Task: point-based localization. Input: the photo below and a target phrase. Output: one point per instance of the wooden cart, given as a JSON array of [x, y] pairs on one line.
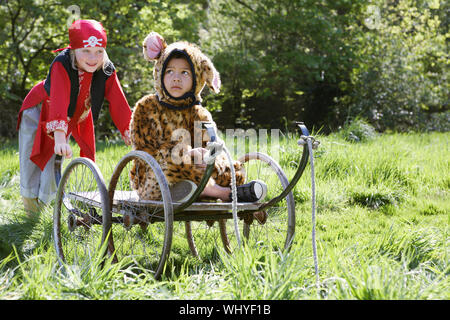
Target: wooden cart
[[92, 220]]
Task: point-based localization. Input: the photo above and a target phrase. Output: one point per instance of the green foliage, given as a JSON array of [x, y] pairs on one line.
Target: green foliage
[[322, 62], [358, 130], [414, 248], [382, 230], [400, 80], [279, 59], [431, 210], [374, 198], [32, 29]]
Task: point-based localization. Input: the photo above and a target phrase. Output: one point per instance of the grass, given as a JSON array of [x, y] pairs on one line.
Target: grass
[[382, 233]]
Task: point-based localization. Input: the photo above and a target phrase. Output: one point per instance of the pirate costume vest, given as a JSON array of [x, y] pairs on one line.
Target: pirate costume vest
[[97, 85]]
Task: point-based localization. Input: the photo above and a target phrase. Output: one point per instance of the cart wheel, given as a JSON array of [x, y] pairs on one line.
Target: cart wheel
[[273, 227], [203, 238], [81, 214], [141, 229]]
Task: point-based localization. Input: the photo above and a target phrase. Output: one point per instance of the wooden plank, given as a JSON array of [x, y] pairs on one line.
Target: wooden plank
[[130, 198], [88, 197], [206, 215]]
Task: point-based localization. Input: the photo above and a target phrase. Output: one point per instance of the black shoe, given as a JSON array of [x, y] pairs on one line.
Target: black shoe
[[182, 191], [253, 191]]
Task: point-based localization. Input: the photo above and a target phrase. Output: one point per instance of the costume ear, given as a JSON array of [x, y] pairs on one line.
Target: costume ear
[[211, 75], [153, 45]]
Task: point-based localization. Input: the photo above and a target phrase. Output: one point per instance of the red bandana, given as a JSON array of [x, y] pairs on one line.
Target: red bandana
[[86, 33]]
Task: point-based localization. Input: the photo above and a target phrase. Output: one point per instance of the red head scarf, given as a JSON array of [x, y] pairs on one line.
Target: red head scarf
[[86, 33]]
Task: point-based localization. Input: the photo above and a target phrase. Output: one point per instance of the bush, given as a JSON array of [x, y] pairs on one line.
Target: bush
[[359, 130], [375, 198]]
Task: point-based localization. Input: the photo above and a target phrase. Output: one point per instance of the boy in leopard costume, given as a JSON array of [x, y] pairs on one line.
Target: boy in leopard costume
[[158, 119]]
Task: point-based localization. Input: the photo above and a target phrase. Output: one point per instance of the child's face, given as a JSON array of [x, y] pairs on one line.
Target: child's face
[[89, 59], [178, 77]]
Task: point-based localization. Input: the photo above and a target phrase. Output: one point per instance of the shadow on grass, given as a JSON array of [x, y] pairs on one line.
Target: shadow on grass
[[15, 233], [21, 234]]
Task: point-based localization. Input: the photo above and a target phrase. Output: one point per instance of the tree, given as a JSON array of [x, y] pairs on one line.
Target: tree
[[318, 61], [279, 59], [31, 29], [401, 80]]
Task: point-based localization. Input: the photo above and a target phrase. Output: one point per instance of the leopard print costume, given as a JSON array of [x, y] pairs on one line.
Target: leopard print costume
[[165, 127]]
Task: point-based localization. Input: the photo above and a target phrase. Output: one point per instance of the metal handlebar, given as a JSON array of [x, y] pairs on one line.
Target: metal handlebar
[[298, 173], [211, 130]]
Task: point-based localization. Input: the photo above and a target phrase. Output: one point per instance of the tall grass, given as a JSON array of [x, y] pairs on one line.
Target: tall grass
[[382, 229]]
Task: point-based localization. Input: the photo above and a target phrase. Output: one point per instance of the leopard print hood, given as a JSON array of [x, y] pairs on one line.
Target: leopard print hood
[[156, 49]]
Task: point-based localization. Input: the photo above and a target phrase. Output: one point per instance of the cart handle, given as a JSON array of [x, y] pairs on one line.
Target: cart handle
[[58, 169], [298, 173], [211, 129]]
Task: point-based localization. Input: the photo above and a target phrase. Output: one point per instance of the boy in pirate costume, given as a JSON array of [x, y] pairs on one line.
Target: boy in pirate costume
[[67, 103], [180, 73]]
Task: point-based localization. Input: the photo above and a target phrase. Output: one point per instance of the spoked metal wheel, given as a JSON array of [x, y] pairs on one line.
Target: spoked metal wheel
[[141, 229], [203, 238], [81, 214], [274, 225]]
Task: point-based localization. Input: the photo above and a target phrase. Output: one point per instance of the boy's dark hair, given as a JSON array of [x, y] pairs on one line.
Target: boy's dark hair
[[178, 55]]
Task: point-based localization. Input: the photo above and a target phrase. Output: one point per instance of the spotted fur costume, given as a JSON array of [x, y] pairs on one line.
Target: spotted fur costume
[[158, 118]]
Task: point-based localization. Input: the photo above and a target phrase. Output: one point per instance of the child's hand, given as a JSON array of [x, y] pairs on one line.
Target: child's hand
[[198, 154], [62, 148], [126, 138]]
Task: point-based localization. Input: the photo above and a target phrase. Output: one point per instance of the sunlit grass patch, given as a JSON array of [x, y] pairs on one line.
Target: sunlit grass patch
[[381, 226]]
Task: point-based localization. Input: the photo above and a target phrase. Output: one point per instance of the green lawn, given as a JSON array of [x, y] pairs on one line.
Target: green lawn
[[382, 229]]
